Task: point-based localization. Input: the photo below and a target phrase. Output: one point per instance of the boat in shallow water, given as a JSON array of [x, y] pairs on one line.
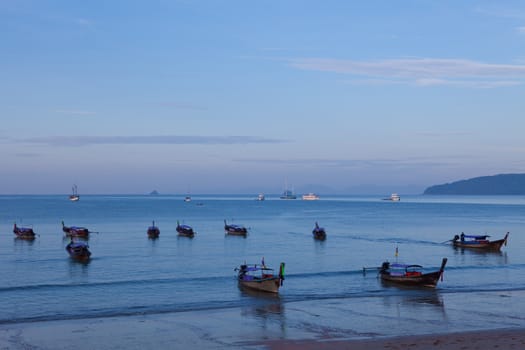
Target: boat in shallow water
[[185, 230], [153, 231], [78, 250], [479, 242], [75, 231], [260, 277], [319, 232], [24, 232], [410, 275], [235, 230]]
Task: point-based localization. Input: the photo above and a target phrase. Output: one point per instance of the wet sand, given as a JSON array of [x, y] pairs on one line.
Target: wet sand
[[168, 332], [478, 340]]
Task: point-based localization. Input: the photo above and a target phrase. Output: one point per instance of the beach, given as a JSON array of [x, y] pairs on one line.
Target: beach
[[272, 325]]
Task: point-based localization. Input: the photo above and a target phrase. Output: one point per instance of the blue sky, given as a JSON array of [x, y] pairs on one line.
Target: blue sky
[[244, 96]]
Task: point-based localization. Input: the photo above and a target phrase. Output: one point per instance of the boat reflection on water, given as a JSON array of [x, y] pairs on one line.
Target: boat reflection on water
[[423, 304], [265, 308]]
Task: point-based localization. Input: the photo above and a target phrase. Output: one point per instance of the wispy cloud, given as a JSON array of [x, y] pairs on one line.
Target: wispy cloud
[[349, 163], [148, 140], [421, 71]]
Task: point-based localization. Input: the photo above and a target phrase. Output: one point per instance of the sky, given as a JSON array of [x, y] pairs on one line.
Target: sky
[[213, 97]]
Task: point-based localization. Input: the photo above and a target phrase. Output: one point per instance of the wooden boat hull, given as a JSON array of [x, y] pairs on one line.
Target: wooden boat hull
[[319, 235], [270, 285], [236, 233], [26, 236], [481, 245], [76, 233], [429, 280], [153, 233], [184, 234]]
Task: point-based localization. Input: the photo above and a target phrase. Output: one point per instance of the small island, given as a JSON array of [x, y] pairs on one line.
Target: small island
[[502, 184]]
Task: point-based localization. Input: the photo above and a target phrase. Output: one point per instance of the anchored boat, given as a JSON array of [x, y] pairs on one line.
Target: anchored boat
[[78, 250], [410, 275], [153, 231], [260, 277], [75, 231], [319, 232], [185, 230], [235, 230], [23, 232], [480, 242]]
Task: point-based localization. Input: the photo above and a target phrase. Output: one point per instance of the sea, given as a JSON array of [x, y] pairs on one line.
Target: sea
[[326, 288]]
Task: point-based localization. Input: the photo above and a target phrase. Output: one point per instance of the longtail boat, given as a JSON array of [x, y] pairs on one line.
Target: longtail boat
[[185, 230], [480, 242], [23, 232], [410, 275], [75, 231], [153, 231], [78, 250], [236, 230], [319, 232], [260, 277]]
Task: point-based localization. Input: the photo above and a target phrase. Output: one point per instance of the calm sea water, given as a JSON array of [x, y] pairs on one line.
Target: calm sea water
[[130, 274]]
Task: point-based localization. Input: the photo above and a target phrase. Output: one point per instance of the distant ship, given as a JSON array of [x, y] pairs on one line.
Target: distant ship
[[187, 199], [287, 194], [310, 197], [74, 197], [394, 197], [260, 197]]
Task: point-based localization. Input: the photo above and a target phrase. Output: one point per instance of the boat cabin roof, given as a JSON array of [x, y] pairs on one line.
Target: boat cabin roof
[[78, 244], [477, 237], [405, 266], [255, 267]]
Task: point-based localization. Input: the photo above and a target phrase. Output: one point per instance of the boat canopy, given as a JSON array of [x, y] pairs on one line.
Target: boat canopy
[[404, 266], [255, 268], [477, 237]]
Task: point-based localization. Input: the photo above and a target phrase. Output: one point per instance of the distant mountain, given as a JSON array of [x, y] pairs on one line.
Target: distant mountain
[[502, 184]]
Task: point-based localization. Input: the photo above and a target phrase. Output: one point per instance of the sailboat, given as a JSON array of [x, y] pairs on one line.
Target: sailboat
[[74, 197], [288, 194]]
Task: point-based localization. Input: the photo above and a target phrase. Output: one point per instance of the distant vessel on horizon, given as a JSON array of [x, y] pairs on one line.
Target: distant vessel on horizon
[[74, 197], [394, 197], [260, 197], [310, 197], [287, 194]]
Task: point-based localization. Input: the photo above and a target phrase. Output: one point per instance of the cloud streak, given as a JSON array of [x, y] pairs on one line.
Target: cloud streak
[[352, 163], [149, 140], [421, 71]]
